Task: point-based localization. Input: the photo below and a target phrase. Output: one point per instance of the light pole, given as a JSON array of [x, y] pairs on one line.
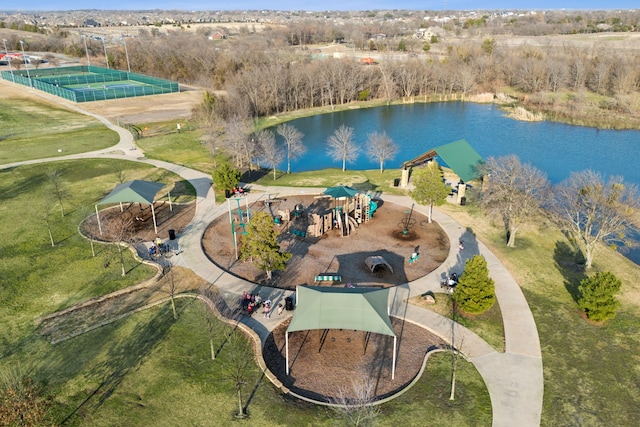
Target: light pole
[[126, 53], [106, 57], [86, 50], [24, 58], [4, 42]]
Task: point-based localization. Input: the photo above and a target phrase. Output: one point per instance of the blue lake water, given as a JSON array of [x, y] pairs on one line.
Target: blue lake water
[[557, 149]]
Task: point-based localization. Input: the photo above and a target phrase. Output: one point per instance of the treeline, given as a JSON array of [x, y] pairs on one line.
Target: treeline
[[262, 75], [276, 70]]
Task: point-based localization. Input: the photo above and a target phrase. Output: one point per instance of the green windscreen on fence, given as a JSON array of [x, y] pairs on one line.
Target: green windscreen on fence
[[83, 83]]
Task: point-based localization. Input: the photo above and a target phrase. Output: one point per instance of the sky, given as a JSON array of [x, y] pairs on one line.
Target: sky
[[49, 5]]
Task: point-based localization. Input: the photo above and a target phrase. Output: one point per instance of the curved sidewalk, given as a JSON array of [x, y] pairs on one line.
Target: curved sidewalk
[[514, 378]]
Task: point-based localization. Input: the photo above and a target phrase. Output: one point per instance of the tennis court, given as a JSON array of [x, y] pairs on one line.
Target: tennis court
[[84, 84]]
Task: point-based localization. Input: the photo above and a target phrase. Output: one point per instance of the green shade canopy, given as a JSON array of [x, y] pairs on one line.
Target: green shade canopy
[[360, 309], [136, 191], [461, 158], [340, 191]]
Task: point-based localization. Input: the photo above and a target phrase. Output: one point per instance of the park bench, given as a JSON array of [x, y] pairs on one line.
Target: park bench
[[328, 278]]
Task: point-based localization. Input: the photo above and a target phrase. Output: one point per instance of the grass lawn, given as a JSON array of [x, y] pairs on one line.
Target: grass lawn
[[30, 130], [591, 372], [38, 278], [367, 180], [487, 325], [161, 141], [149, 369]]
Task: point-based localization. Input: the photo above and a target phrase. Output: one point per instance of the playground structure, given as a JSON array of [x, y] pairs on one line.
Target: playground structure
[[346, 217], [241, 220]]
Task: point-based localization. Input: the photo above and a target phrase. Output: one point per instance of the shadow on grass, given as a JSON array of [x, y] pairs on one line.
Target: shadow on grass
[[253, 176], [572, 272], [365, 186], [126, 356]]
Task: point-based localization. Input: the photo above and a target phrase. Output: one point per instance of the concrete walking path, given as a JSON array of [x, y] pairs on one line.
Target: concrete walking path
[[514, 378]]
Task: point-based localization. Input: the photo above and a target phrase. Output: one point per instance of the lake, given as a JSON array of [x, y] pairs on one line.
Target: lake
[[555, 148]]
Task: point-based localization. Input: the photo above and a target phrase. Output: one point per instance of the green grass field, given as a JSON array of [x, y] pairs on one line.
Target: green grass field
[[30, 130], [591, 372]]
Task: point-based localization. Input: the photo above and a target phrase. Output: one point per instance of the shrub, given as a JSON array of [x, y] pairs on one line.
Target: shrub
[[598, 296], [475, 292]]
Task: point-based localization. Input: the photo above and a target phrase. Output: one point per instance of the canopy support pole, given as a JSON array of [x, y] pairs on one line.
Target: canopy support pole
[[170, 205], [286, 343], [98, 216], [153, 213], [393, 367]]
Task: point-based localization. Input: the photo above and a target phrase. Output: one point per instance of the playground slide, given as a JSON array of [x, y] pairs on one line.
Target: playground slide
[[372, 207], [353, 223]]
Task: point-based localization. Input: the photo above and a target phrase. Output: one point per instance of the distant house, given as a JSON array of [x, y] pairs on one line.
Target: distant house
[[90, 23], [218, 35], [427, 33]]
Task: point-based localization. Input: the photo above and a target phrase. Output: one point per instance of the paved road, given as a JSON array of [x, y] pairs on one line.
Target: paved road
[[514, 378]]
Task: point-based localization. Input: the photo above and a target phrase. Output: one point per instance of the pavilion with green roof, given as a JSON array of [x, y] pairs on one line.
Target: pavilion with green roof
[[136, 191], [459, 156]]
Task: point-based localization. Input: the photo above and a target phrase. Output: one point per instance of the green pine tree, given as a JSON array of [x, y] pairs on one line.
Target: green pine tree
[[598, 296], [226, 177], [475, 292], [260, 245]]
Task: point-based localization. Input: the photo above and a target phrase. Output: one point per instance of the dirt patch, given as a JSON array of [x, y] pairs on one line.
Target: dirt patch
[[148, 109], [111, 307], [324, 363], [333, 253]]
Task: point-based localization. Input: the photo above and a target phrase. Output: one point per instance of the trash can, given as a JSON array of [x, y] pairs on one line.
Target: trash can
[[172, 234], [288, 303], [227, 193], [396, 182], [463, 201]]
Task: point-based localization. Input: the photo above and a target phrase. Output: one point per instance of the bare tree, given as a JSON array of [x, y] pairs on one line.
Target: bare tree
[[293, 142], [121, 171], [381, 148], [513, 191], [341, 146], [168, 273], [58, 187], [238, 366], [122, 227], [388, 86], [270, 152], [356, 406], [596, 211], [209, 317], [237, 133], [46, 216]]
